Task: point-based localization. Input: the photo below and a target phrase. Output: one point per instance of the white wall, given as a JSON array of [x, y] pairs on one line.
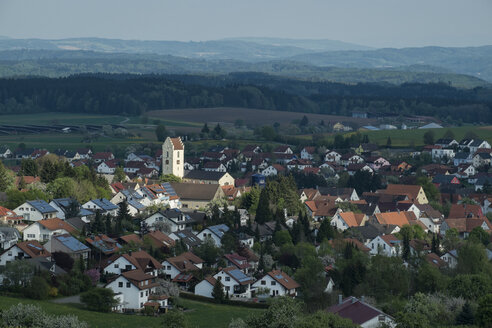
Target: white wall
[[204, 288]]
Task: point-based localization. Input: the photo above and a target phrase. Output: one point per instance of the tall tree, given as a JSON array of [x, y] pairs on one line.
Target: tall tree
[[6, 178], [218, 291], [263, 213], [161, 132], [429, 137]]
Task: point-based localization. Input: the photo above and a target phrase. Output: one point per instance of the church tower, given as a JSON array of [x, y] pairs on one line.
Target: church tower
[[173, 157]]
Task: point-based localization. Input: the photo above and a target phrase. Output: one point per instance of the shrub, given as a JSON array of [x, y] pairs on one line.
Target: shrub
[[99, 299]]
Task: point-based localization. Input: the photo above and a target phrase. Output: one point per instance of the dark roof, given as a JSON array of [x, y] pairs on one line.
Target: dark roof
[[204, 175], [196, 191], [355, 310]]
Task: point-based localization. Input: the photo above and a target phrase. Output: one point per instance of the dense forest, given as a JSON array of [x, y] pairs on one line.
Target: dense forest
[[134, 94]]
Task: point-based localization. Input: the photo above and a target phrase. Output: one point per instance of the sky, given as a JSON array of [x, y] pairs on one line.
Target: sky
[[375, 23]]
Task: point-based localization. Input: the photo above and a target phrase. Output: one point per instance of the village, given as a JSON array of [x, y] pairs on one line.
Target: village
[[249, 225]]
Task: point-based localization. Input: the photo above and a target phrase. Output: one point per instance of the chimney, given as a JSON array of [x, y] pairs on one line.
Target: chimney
[[340, 297]]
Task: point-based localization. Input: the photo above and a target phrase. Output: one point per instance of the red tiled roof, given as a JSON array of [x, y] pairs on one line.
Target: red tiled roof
[[177, 143], [283, 279], [55, 224]]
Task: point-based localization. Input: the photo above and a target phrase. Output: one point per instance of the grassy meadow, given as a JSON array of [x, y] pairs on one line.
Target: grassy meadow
[[199, 314]]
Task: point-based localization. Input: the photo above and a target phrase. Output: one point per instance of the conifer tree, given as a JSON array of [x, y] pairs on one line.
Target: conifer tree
[[263, 213], [218, 291]]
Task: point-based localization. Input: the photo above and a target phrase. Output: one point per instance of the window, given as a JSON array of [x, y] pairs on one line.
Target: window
[[30, 235], [227, 288], [263, 282], [167, 155], [120, 284], [169, 267], [141, 294], [128, 285], [167, 161], [227, 278], [273, 283], [177, 162], [116, 265], [10, 253], [384, 246], [146, 293]]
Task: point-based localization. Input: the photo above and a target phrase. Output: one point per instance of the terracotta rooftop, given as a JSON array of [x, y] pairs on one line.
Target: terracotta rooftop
[[55, 224], [283, 279], [177, 143]]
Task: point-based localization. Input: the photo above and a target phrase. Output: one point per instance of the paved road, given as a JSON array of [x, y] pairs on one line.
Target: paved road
[[71, 299]]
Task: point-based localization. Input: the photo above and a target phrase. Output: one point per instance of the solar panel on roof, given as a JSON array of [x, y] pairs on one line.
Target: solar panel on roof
[[239, 275], [34, 246], [278, 276], [72, 243]]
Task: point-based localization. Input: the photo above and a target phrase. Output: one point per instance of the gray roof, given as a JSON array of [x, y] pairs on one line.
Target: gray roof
[[47, 265], [71, 243], [204, 175], [10, 233], [476, 143], [195, 191]]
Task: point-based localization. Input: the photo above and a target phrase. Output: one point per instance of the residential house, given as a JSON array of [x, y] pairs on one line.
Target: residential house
[[395, 218], [283, 150], [446, 154], [161, 240], [186, 237], [107, 167], [481, 159], [102, 157], [462, 158], [8, 237], [206, 287], [103, 205], [214, 167], [215, 232], [387, 245], [135, 287], [68, 244], [173, 218], [235, 282], [278, 283], [35, 210], [344, 220], [239, 262], [464, 226], [24, 250], [308, 153], [446, 142], [273, 170], [186, 262], [415, 193], [333, 157], [139, 260], [451, 258], [477, 144], [8, 216], [465, 211], [44, 230], [361, 313]]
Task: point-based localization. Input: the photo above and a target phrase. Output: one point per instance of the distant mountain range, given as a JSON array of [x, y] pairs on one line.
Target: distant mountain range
[[305, 59]]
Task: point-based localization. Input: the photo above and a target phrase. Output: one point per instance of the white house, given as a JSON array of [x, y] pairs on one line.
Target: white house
[[103, 205], [333, 157], [273, 170], [24, 250], [43, 230], [35, 210], [139, 260], [174, 218], [308, 152], [442, 153], [235, 282], [215, 232], [278, 283], [451, 258], [107, 167], [387, 245], [205, 287], [344, 220], [136, 288], [8, 237], [186, 262], [214, 167], [478, 144], [481, 159]]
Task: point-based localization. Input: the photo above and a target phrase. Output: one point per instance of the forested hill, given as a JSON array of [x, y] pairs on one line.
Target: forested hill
[[133, 95]]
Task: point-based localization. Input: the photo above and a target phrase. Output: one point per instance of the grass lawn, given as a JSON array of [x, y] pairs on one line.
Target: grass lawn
[[202, 315], [60, 118]]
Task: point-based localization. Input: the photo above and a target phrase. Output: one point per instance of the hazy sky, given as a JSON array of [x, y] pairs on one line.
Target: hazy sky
[[378, 23]]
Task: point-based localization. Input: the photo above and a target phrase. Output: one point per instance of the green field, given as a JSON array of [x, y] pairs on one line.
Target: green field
[[202, 315], [60, 118]]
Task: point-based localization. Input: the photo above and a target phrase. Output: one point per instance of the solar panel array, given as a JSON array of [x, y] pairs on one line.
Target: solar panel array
[[72, 243], [170, 190], [35, 247], [219, 229], [239, 275], [41, 206]]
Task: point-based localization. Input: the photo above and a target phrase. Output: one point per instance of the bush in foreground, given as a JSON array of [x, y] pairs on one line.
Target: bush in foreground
[[31, 316]]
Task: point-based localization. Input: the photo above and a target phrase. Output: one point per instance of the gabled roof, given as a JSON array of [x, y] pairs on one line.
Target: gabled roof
[[283, 279], [204, 175], [137, 276], [357, 311], [185, 262], [177, 143], [391, 240], [196, 191], [32, 248], [396, 189], [396, 218], [42, 206], [464, 211], [237, 260], [466, 224], [159, 238], [6, 212], [435, 260], [132, 238], [352, 219], [55, 224]]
